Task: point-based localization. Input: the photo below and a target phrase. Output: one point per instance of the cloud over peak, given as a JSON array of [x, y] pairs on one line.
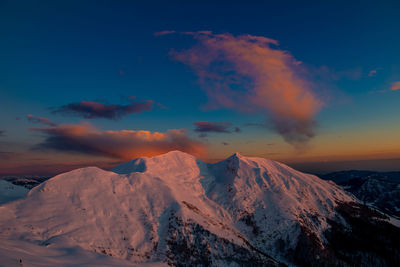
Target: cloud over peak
[[249, 73], [123, 144], [92, 109]]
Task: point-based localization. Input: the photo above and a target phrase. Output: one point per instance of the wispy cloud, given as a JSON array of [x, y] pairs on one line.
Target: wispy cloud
[[256, 124], [123, 144], [330, 74], [161, 33], [2, 132], [395, 86], [372, 73], [216, 127], [42, 120], [249, 73], [203, 135], [92, 109], [4, 155]]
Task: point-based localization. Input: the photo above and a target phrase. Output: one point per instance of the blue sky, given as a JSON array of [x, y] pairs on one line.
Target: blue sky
[[54, 53]]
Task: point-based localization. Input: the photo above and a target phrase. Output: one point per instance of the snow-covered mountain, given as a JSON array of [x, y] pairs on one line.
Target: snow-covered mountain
[[176, 209]]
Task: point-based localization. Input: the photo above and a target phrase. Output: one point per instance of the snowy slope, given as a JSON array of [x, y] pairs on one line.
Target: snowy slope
[[175, 208], [27, 254], [242, 190]]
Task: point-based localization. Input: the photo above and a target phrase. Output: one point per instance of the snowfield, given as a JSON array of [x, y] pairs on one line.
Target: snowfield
[[171, 208]]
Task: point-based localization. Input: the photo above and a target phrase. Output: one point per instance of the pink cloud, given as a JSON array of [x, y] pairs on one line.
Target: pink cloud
[[42, 120], [395, 86], [161, 33], [249, 73], [123, 144], [372, 73]]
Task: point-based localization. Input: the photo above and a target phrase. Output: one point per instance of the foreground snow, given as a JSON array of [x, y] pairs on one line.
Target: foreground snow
[[170, 208], [23, 253]]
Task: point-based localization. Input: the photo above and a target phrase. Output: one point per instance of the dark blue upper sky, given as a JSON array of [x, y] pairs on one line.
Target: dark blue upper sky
[[53, 53]]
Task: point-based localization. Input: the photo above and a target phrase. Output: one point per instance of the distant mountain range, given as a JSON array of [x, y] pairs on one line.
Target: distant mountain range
[[378, 189], [175, 209], [26, 181]]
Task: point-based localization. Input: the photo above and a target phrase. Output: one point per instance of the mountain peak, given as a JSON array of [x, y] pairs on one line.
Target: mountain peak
[[237, 155], [172, 161], [175, 152], [152, 207]]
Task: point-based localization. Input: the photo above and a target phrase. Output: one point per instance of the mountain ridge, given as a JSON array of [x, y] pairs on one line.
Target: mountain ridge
[[177, 209]]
